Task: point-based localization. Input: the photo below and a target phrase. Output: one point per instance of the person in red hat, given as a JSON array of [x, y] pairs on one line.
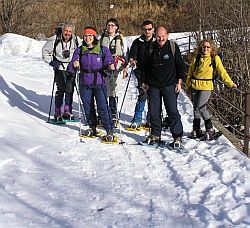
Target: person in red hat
[[92, 60]]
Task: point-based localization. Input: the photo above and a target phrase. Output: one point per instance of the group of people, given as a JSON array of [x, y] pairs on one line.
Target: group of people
[[99, 63], [157, 64]]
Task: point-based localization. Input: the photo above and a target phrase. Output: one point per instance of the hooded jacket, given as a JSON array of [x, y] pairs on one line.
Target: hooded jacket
[[92, 63], [202, 77]]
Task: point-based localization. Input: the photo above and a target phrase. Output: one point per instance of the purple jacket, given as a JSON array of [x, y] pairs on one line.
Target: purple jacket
[[92, 63]]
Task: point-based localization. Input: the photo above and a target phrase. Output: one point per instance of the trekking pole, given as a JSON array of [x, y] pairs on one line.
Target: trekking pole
[[80, 105], [119, 114], [125, 91], [78, 94], [52, 94]]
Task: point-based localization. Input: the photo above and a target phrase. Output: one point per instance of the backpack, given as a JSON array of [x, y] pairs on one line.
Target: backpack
[[172, 45], [213, 64], [119, 37], [215, 74]]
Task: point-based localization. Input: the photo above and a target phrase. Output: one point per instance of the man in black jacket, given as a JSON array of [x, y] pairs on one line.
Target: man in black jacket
[[164, 74], [138, 52]]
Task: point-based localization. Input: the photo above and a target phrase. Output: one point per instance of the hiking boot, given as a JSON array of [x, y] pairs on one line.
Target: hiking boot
[[135, 125], [109, 137], [90, 132], [58, 117], [196, 134], [209, 134], [147, 125], [152, 139], [68, 116], [177, 143]]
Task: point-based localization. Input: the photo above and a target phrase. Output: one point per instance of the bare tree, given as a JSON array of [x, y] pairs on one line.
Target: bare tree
[[10, 13]]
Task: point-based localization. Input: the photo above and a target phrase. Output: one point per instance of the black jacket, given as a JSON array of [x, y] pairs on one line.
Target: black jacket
[[162, 68], [139, 51]]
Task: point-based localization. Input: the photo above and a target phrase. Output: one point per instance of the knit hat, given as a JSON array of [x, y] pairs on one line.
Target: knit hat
[[89, 31]]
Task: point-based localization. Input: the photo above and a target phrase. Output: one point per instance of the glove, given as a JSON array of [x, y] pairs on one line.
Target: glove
[[55, 64], [132, 62], [112, 67], [76, 65], [143, 95]]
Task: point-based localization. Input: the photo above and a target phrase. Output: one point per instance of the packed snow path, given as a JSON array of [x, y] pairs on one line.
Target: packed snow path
[[50, 179]]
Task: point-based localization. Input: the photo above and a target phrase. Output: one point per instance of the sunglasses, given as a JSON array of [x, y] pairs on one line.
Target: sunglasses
[[148, 29], [111, 25], [208, 47]]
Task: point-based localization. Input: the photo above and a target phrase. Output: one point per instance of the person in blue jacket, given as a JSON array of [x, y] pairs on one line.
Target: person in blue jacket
[[92, 60]]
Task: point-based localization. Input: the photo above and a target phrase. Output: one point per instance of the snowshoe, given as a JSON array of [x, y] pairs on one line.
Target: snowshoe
[[58, 121], [110, 138], [89, 133], [146, 126], [134, 126], [196, 134], [211, 135], [152, 139], [176, 145], [67, 116], [152, 142]]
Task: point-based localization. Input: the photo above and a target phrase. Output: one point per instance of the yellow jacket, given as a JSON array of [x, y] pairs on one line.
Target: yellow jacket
[[205, 71]]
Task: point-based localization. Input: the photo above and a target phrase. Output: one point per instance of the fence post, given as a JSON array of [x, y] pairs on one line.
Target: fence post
[[189, 44], [247, 126]]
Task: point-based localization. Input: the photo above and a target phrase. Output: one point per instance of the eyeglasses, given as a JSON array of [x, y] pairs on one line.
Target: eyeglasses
[[111, 25], [147, 29], [208, 47]]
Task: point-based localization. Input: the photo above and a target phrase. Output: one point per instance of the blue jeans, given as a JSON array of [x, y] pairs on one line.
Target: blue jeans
[[139, 108], [90, 95]]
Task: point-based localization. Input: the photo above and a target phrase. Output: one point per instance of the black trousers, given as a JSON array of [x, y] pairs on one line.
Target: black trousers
[[65, 83], [169, 97]]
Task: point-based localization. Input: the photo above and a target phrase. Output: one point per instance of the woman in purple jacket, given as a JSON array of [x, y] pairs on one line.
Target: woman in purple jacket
[[92, 59]]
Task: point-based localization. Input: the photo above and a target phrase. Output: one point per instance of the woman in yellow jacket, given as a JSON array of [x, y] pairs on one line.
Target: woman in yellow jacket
[[200, 82]]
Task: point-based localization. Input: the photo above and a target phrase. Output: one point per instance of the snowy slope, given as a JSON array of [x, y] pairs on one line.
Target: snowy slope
[[49, 179]]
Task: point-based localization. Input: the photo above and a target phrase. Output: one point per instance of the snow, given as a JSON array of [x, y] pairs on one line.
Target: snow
[[48, 178]]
